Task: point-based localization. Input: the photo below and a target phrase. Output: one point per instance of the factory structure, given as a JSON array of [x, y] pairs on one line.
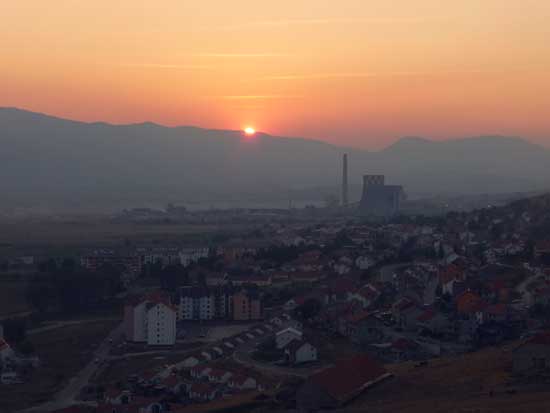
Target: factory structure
[[377, 199]]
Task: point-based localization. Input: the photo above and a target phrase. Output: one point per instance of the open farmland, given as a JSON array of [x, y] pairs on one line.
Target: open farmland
[[63, 352], [12, 296], [93, 232]]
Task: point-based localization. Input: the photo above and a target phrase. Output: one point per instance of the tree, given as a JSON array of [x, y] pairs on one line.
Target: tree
[[173, 276], [15, 330], [309, 309]]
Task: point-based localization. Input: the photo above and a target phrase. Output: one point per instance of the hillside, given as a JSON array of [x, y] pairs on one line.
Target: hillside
[[52, 161]]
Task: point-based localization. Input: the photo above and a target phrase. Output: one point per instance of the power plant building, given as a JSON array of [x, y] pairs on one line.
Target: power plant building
[[379, 199]]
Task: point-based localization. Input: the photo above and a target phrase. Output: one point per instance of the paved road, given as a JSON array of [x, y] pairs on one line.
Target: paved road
[[526, 296], [68, 395]]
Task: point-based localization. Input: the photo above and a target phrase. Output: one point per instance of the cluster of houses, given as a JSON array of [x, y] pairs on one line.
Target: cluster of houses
[[149, 392], [202, 376]]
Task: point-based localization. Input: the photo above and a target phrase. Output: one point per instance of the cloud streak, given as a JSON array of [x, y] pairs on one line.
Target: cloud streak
[[322, 76], [166, 66], [241, 55], [257, 97], [319, 22]]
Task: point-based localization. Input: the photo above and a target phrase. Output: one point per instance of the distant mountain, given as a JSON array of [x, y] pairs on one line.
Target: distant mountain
[[51, 161]]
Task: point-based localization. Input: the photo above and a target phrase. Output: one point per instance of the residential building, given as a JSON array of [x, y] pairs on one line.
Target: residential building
[[205, 303], [285, 336], [300, 351], [151, 320], [161, 324], [533, 356], [247, 305]]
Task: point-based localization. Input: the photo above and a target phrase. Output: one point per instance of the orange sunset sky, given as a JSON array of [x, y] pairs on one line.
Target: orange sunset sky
[[350, 72]]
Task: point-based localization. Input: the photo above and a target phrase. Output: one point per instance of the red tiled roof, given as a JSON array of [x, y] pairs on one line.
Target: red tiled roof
[[368, 292], [356, 317], [341, 285], [217, 373], [3, 344], [202, 388], [304, 275], [113, 393], [348, 377], [543, 245], [426, 315], [171, 381], [449, 273], [404, 344], [239, 379], [403, 303], [496, 309], [541, 338]]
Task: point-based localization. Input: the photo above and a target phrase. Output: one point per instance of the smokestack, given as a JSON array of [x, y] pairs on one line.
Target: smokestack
[[345, 181]]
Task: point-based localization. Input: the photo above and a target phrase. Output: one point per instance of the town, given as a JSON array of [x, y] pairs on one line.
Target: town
[[308, 314]]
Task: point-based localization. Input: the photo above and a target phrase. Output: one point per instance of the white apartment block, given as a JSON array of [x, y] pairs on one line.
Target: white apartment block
[[150, 320]]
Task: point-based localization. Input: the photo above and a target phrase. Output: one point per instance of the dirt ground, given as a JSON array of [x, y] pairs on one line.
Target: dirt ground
[[88, 232], [12, 297], [474, 383], [62, 352]]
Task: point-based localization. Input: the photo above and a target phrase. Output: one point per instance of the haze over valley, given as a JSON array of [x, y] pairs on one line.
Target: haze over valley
[[52, 163]]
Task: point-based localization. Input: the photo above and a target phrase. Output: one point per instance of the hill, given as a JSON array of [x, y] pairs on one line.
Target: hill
[[52, 161], [475, 382]]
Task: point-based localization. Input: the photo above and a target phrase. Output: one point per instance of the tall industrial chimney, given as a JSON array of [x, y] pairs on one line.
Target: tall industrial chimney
[[345, 181]]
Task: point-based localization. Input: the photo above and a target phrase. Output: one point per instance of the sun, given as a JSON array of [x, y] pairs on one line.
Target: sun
[[249, 131]]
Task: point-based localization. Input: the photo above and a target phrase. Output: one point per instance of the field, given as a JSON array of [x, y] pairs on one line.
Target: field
[[92, 233], [62, 352], [12, 296], [479, 382]]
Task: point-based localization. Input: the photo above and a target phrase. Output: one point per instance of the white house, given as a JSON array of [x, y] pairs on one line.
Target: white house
[[242, 382], [10, 377], [299, 351], [219, 376], [200, 371], [283, 337], [366, 295], [190, 361], [364, 262], [202, 391]]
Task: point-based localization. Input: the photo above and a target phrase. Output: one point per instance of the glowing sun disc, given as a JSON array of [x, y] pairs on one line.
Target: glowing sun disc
[[249, 131]]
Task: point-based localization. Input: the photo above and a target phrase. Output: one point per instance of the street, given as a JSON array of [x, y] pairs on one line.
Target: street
[[68, 395]]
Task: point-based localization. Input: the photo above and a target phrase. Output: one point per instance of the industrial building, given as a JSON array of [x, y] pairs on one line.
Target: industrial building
[[379, 199]]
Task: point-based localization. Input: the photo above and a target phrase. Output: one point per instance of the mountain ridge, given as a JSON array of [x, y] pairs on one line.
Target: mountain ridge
[[54, 160]]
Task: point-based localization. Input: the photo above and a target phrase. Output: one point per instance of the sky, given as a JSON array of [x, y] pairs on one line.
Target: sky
[[351, 72]]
